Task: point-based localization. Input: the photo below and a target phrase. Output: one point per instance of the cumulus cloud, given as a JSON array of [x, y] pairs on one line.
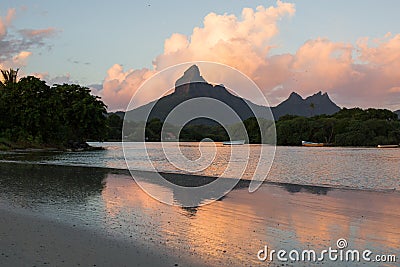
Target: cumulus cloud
[[241, 42], [119, 86], [362, 74], [365, 74], [15, 45]]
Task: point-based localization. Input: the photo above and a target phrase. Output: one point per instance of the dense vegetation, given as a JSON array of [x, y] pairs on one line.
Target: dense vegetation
[[33, 114], [114, 125], [190, 132], [348, 127], [196, 132]]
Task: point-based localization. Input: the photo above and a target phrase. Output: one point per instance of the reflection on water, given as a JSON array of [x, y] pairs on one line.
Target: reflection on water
[[29, 184], [226, 232], [201, 195], [363, 168], [294, 188]]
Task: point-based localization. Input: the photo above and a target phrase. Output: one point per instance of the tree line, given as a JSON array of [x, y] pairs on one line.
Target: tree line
[[33, 114], [348, 127], [156, 130]]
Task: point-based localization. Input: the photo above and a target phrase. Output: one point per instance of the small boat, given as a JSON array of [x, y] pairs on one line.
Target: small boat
[[311, 144], [388, 146], [232, 143]]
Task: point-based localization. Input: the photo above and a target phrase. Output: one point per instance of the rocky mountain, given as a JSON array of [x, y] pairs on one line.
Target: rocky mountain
[[192, 85], [316, 104]]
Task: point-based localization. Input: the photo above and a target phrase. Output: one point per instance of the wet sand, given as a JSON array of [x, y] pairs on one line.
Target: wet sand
[[65, 216], [28, 240]]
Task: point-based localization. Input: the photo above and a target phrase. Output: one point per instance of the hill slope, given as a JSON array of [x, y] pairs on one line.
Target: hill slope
[[313, 105], [192, 85]]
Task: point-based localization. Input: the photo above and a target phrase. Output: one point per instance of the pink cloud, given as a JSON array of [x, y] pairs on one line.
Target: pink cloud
[[6, 21], [241, 42], [15, 45], [21, 58], [363, 74], [119, 86], [395, 89], [40, 33]]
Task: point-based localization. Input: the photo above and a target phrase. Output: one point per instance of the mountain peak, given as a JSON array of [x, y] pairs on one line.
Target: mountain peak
[[295, 95], [319, 97], [191, 75], [316, 104]]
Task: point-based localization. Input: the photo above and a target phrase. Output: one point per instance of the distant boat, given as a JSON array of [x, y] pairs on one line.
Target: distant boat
[[232, 143], [388, 146], [311, 144]]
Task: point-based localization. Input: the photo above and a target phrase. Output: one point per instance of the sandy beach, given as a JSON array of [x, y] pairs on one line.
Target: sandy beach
[[80, 216], [28, 240]]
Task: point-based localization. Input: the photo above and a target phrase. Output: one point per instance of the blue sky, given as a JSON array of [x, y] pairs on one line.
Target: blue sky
[[91, 36]]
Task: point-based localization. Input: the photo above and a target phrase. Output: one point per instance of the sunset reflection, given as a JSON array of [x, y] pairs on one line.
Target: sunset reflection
[[235, 228]]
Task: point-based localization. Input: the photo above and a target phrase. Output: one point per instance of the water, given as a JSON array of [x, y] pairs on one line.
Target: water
[[359, 168], [229, 232]]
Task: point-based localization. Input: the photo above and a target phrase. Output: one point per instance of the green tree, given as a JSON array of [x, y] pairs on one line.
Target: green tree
[[32, 113], [348, 127], [114, 126], [253, 130], [83, 114], [153, 130]]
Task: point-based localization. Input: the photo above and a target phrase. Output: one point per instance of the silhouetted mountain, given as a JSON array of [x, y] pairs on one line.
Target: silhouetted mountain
[[316, 104], [192, 85], [120, 114]]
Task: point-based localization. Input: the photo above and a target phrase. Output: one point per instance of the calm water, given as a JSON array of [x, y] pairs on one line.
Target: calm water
[[361, 168], [228, 232]]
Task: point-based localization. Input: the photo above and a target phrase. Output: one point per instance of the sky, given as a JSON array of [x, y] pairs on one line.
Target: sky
[[350, 49]]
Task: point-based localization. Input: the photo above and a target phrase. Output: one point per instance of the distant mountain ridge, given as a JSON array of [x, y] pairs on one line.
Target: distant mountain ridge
[[317, 104], [192, 85]]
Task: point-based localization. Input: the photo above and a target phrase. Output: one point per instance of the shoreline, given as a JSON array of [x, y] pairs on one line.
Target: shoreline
[[29, 240], [8, 146], [64, 216], [51, 148], [197, 180]]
